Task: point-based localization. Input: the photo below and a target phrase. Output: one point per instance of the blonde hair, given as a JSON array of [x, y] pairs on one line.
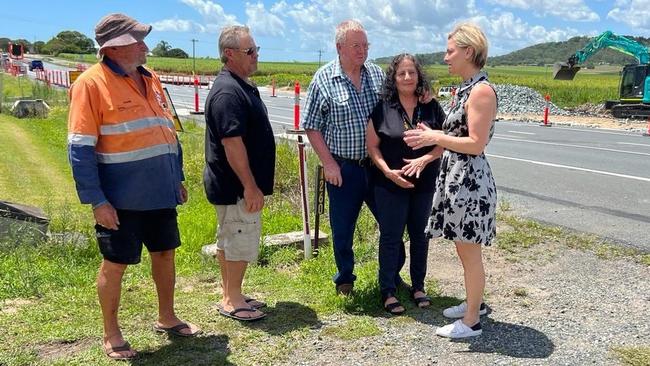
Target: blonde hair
[[346, 26], [470, 35]]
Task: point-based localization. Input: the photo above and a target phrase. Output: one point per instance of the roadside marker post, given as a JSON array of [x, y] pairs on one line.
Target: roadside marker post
[[196, 96], [546, 110], [319, 204], [302, 170], [273, 88], [647, 133]]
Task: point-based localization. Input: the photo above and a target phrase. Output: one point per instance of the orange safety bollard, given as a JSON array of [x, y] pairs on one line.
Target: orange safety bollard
[[196, 96], [546, 111]]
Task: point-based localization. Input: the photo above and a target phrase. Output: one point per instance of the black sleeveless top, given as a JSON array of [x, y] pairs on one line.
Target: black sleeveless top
[[390, 121]]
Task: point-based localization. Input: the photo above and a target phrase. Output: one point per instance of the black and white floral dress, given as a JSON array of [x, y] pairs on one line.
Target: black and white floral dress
[[464, 204]]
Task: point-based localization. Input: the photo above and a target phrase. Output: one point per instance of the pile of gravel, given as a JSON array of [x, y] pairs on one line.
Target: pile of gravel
[[516, 99]]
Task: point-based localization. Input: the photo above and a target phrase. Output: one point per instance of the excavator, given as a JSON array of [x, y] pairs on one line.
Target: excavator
[[634, 92]]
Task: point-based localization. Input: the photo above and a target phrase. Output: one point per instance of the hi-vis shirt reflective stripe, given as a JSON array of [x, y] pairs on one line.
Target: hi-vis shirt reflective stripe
[[136, 155], [122, 143]]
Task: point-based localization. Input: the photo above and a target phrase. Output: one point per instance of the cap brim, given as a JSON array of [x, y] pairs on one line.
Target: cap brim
[[135, 35]]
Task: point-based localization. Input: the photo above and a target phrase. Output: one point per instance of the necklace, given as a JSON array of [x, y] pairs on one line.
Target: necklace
[[408, 125]]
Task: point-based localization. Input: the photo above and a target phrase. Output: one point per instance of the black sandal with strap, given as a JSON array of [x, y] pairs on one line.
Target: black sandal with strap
[[420, 300], [392, 306]]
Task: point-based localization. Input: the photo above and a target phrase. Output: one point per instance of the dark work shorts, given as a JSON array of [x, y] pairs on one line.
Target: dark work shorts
[[156, 229]]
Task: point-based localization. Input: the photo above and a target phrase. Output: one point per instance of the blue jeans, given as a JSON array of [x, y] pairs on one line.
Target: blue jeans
[[397, 210], [344, 207]]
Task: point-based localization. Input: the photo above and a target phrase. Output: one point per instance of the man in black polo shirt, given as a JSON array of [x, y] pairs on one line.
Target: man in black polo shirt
[[240, 164]]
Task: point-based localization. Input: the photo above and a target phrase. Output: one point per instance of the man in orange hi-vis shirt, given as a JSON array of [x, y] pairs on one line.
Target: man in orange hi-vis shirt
[[127, 163]]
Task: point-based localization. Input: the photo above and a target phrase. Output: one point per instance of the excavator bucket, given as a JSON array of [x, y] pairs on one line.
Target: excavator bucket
[[564, 71]]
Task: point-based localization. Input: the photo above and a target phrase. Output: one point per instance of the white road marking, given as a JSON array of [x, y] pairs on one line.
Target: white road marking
[[571, 145], [632, 143], [503, 135], [523, 133], [643, 179]]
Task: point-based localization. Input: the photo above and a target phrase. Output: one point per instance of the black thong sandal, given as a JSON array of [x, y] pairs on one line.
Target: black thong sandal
[[233, 314], [420, 301], [392, 306], [176, 330], [125, 347]]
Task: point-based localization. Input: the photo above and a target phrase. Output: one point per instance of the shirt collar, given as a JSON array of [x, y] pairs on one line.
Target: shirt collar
[[118, 70], [237, 78], [467, 84], [338, 70]]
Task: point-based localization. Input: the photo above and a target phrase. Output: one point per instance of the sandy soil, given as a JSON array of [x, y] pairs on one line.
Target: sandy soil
[[587, 121]]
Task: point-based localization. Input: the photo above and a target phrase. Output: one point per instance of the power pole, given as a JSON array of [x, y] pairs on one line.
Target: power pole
[[320, 52], [194, 56]]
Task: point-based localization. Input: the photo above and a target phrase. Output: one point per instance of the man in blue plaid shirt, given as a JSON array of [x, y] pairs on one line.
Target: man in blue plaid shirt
[[340, 98]]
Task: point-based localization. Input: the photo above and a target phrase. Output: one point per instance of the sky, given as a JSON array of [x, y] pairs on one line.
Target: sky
[[303, 30]]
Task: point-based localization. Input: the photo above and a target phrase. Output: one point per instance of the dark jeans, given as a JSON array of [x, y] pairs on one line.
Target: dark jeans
[[344, 206], [397, 210]]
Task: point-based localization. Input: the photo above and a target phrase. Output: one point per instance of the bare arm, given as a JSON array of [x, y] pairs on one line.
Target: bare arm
[[331, 168], [372, 144], [481, 111], [238, 160]]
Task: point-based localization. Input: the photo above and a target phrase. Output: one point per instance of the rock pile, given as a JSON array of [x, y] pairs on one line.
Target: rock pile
[[516, 99]]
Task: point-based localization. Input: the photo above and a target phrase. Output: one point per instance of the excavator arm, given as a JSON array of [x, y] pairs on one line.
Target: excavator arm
[[567, 70]]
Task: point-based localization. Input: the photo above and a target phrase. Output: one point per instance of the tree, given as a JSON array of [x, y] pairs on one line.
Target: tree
[[38, 46], [69, 42], [4, 44], [177, 53], [161, 49]]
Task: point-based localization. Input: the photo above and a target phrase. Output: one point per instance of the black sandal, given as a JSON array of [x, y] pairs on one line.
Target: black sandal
[[392, 306], [420, 300]]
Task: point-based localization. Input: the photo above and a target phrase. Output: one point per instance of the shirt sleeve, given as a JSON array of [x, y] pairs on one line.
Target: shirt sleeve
[[83, 131], [316, 109], [439, 115], [228, 115], [377, 115]]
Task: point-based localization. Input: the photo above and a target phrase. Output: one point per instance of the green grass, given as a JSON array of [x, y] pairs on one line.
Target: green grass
[[20, 87], [633, 356]]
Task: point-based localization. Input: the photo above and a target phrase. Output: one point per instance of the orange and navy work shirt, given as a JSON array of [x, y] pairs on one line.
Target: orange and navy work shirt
[[122, 145]]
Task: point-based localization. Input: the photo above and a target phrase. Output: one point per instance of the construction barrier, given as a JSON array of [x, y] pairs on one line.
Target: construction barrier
[[546, 111]]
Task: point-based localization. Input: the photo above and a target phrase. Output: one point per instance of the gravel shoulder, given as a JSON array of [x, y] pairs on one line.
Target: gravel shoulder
[[550, 305]]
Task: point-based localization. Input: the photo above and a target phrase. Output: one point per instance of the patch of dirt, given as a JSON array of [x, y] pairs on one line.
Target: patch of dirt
[[58, 349], [13, 305], [586, 121]]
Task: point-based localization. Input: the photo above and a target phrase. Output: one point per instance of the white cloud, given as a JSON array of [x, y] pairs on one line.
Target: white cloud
[[635, 13], [262, 22], [574, 10], [506, 32], [176, 25], [211, 11]]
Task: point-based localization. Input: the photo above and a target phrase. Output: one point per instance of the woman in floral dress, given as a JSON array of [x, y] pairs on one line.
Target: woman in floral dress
[[464, 204]]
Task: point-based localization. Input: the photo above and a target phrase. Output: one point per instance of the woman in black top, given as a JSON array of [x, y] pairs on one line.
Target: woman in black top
[[403, 179]]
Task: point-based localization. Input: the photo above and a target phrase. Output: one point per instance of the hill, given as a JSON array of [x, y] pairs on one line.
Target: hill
[[544, 54]]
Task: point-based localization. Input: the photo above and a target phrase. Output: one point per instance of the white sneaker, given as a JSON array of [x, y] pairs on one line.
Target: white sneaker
[[458, 329], [458, 311]]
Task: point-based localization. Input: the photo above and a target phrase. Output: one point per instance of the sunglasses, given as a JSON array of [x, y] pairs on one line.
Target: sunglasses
[[251, 50]]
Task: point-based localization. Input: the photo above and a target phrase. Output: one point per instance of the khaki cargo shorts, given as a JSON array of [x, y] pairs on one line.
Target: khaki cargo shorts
[[239, 231]]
